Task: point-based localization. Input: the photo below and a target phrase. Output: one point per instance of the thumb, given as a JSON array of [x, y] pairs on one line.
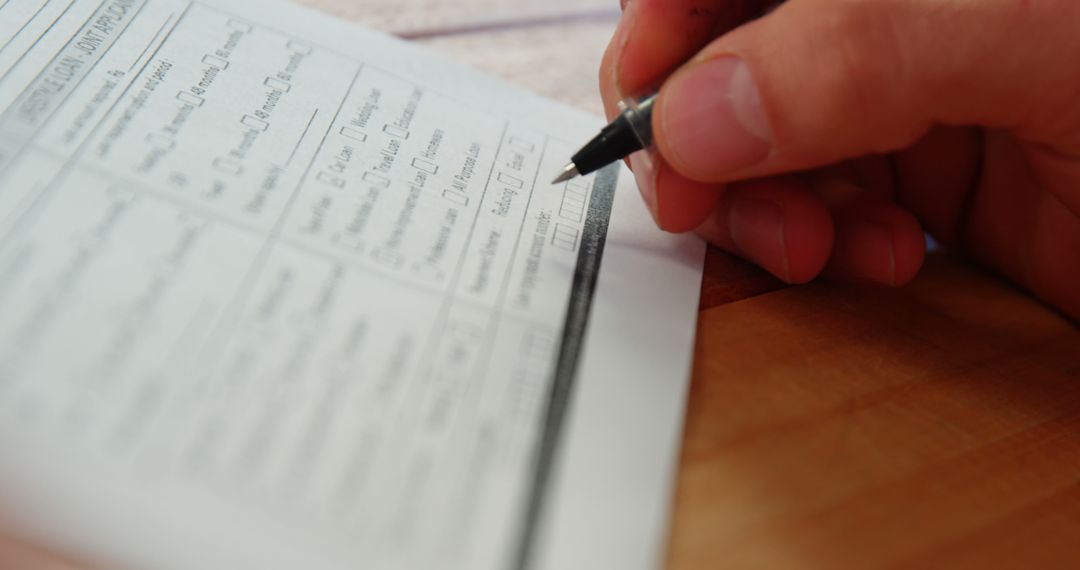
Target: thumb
[[819, 81]]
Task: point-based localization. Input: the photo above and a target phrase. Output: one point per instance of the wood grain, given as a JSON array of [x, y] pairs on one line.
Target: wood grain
[[836, 426]]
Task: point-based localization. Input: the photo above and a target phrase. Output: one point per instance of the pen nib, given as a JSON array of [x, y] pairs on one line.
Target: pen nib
[[570, 171]]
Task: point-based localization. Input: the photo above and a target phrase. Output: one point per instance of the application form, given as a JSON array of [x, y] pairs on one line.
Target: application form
[[279, 292]]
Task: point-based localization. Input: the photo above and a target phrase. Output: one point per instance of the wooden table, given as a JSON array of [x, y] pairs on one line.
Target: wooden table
[[833, 426]]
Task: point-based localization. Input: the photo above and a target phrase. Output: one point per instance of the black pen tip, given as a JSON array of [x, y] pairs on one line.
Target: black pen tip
[[568, 172]]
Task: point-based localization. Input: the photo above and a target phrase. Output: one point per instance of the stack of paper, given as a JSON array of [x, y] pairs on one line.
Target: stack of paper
[[279, 292]]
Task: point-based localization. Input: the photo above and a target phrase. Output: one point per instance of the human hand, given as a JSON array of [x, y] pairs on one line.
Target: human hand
[[825, 136]]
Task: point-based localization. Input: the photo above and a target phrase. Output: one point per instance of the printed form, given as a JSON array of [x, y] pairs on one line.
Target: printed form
[[278, 292]]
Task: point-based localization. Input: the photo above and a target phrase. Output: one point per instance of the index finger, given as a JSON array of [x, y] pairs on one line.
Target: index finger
[[655, 37]]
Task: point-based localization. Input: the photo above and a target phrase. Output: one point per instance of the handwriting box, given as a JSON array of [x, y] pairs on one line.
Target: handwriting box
[[579, 184], [511, 181], [351, 133], [275, 83], [424, 165], [573, 203], [376, 179], [190, 99], [227, 165], [254, 123], [331, 179], [572, 210], [456, 197], [215, 61], [565, 237], [396, 131]]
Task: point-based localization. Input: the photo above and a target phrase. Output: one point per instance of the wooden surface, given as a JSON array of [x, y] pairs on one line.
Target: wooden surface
[[834, 426]]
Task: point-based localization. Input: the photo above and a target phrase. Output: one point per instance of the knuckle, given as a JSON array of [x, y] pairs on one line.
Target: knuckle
[[866, 73]]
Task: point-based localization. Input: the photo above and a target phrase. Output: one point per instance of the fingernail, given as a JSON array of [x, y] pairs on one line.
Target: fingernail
[[757, 228], [712, 119], [867, 251]]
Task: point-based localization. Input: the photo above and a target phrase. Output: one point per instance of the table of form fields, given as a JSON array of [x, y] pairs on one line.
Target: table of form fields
[[275, 269]]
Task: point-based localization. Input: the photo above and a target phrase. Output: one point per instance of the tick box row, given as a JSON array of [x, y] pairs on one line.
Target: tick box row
[[511, 181], [294, 45], [189, 98], [370, 178], [565, 237], [360, 136]]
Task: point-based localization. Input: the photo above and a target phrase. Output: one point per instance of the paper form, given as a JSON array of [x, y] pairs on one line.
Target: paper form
[[279, 292]]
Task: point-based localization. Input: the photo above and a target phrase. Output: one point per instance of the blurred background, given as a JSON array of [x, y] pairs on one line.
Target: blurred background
[[523, 42]]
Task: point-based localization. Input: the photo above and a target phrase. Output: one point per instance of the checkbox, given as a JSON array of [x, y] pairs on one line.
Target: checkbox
[[190, 99], [239, 25], [396, 131], [387, 256], [215, 61], [579, 185], [510, 181], [255, 123], [228, 166], [424, 165], [573, 204], [522, 144], [351, 133], [161, 141], [571, 212], [456, 197], [376, 179], [275, 83], [299, 47], [331, 179], [565, 237]]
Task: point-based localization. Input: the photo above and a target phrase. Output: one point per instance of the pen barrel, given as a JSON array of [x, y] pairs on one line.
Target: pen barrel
[[638, 114], [630, 132]]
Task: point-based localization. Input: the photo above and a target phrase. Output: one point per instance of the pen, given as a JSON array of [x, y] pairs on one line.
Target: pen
[[630, 132]]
